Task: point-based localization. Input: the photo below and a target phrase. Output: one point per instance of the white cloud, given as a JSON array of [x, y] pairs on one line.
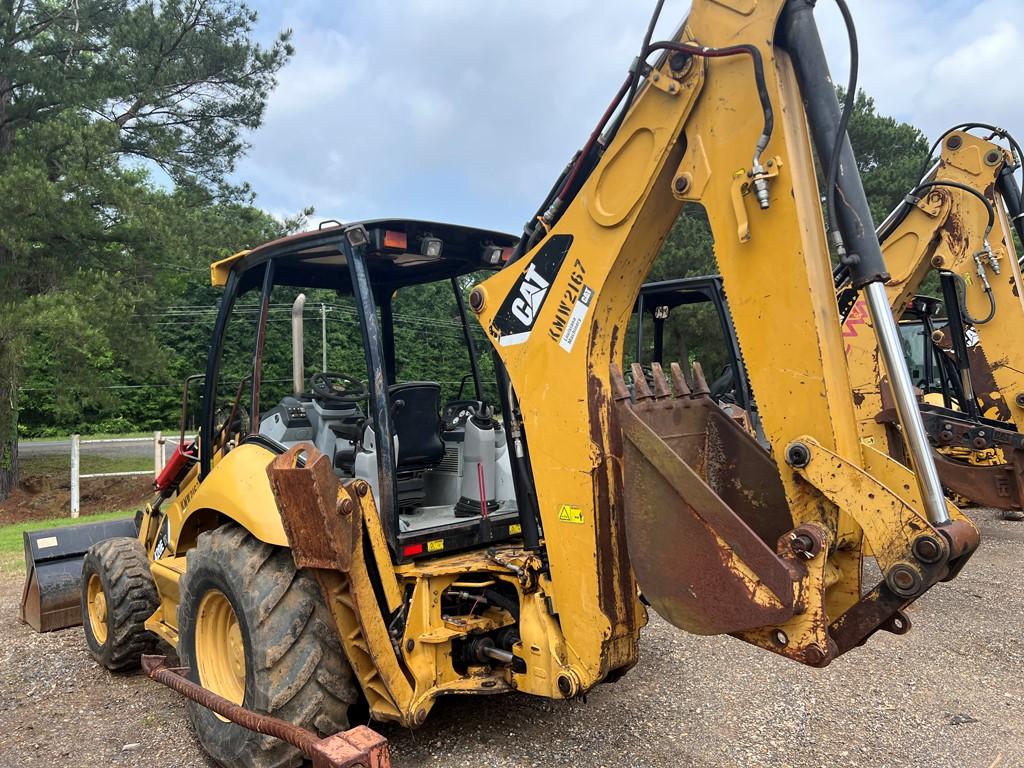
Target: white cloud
[[466, 111]]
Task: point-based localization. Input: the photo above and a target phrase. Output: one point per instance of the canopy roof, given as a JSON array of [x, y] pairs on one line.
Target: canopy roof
[[397, 255]]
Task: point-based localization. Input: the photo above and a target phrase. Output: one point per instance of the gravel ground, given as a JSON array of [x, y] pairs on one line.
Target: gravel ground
[[947, 694]]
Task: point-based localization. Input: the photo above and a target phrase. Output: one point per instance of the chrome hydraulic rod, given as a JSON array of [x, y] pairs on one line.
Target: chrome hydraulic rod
[[866, 264], [906, 404]]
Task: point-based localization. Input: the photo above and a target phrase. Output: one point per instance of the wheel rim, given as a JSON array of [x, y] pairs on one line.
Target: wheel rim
[[97, 609], [220, 650]]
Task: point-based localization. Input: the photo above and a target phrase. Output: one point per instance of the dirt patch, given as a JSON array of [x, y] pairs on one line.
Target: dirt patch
[[41, 497]]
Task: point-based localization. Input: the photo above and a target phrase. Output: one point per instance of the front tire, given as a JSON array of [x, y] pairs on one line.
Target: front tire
[[118, 595], [255, 630]]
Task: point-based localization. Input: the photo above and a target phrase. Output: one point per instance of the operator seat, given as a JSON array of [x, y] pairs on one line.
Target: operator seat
[[416, 410]]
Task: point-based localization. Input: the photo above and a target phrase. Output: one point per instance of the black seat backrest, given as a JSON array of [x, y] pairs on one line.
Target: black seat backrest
[[416, 409]]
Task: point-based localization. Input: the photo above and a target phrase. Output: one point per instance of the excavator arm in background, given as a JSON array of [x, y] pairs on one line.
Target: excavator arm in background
[[956, 223], [770, 548]]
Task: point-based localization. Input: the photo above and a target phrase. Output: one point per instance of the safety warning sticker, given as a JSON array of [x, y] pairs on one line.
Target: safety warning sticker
[[569, 513]]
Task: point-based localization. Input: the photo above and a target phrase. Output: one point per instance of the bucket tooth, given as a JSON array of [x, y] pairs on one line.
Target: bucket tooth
[[682, 389], [640, 389], [700, 384], [619, 389], [661, 388]]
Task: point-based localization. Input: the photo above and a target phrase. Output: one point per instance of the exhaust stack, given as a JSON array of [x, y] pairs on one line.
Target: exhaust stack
[[298, 363]]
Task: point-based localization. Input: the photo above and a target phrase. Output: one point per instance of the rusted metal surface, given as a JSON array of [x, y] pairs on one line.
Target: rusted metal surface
[[357, 747], [991, 485], [702, 510], [322, 524], [952, 428], [882, 608], [990, 401], [963, 539]]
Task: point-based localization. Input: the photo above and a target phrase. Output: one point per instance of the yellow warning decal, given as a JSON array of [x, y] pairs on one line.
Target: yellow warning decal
[[514, 529], [570, 513], [435, 546]]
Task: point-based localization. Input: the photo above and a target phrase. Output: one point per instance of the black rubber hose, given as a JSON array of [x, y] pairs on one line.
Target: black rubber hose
[[962, 301], [841, 272], [496, 598], [907, 204], [759, 78], [831, 181], [638, 73]]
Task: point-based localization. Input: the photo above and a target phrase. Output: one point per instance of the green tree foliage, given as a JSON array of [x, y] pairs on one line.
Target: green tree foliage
[[95, 96], [889, 155]]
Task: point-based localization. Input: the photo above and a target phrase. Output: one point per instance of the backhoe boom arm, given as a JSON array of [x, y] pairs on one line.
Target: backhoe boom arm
[[557, 319]]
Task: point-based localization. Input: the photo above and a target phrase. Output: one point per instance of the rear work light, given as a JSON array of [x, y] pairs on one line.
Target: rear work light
[[431, 246], [494, 255]]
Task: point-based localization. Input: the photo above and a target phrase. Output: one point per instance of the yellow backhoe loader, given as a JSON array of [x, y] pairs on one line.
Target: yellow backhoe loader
[[956, 223], [349, 538]]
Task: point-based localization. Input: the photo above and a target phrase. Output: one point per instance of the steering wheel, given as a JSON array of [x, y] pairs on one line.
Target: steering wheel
[[338, 388]]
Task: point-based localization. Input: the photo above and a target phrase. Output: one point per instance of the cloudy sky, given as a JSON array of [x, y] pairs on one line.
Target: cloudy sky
[[466, 110]]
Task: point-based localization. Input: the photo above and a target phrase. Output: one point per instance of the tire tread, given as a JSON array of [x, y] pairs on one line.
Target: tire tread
[[296, 657], [123, 568]]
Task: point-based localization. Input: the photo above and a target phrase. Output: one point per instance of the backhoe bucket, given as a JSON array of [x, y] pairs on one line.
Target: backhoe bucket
[[52, 597], [704, 509]]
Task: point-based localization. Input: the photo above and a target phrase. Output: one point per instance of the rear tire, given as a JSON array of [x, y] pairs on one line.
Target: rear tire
[[118, 595], [254, 611]]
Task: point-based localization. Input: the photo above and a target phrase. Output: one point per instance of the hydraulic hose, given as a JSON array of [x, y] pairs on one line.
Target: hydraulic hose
[[570, 180], [841, 273], [798, 34], [962, 301], [911, 199], [759, 80], [637, 73], [539, 226], [841, 131]]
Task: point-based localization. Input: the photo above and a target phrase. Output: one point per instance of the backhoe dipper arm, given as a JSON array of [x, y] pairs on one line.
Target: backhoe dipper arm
[[775, 560], [956, 222]]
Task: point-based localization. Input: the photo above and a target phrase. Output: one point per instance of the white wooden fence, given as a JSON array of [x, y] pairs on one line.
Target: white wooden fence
[[159, 459]]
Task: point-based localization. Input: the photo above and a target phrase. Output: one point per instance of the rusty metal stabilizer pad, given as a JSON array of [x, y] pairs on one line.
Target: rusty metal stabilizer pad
[[320, 521], [704, 507]]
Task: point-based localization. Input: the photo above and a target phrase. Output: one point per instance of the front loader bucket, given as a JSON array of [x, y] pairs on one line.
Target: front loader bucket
[[52, 597], [704, 508]]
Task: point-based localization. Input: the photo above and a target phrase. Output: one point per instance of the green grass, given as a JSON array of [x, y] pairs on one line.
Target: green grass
[[12, 545], [60, 464]]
